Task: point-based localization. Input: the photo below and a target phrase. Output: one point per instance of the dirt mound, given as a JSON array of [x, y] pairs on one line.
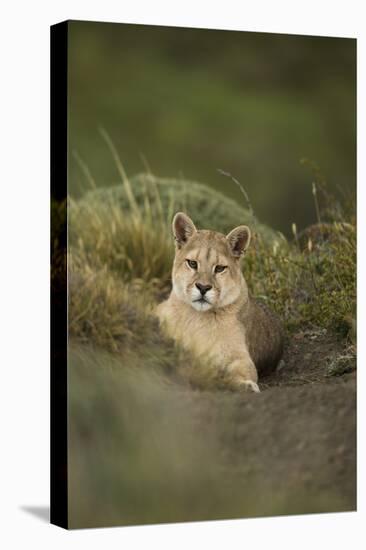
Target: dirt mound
[[301, 431], [301, 440], [313, 355], [297, 438]]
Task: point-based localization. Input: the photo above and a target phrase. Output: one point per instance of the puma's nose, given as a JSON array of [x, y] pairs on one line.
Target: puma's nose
[[203, 288]]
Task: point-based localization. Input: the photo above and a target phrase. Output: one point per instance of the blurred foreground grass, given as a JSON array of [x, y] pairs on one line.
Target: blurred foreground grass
[[143, 449]]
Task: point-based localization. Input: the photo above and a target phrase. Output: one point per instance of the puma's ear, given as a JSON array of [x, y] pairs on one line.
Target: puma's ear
[[183, 228], [239, 239]]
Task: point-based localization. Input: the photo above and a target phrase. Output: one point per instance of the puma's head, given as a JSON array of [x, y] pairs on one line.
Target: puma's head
[[206, 269]]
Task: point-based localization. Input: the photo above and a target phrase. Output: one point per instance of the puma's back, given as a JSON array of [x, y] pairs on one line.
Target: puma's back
[[264, 335]]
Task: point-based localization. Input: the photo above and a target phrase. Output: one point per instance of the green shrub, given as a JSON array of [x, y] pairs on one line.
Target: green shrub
[[209, 209], [315, 285]]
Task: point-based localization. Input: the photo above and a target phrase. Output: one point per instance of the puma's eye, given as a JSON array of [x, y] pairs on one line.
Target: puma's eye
[[220, 268], [192, 264]]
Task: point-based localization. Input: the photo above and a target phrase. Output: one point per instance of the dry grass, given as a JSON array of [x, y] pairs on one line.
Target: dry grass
[[136, 245]]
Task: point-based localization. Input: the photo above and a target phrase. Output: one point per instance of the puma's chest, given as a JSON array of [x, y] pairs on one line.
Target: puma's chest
[[205, 334]]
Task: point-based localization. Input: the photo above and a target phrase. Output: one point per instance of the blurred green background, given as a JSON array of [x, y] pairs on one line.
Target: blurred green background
[[189, 101]]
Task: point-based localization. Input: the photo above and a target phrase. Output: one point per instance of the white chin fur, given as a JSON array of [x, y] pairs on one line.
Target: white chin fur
[[201, 306], [191, 300], [198, 305]]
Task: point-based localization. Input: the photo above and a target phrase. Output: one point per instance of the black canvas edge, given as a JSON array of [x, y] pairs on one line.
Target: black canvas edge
[[59, 410]]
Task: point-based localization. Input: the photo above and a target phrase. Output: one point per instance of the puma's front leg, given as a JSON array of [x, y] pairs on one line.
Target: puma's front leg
[[241, 375]]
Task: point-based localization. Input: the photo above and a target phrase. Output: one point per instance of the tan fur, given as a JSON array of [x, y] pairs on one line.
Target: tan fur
[[232, 331]]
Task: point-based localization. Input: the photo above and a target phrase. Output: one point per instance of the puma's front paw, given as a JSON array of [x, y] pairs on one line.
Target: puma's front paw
[[249, 385]]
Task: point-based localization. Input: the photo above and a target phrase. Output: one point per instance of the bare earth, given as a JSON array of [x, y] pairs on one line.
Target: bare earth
[[299, 435]]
